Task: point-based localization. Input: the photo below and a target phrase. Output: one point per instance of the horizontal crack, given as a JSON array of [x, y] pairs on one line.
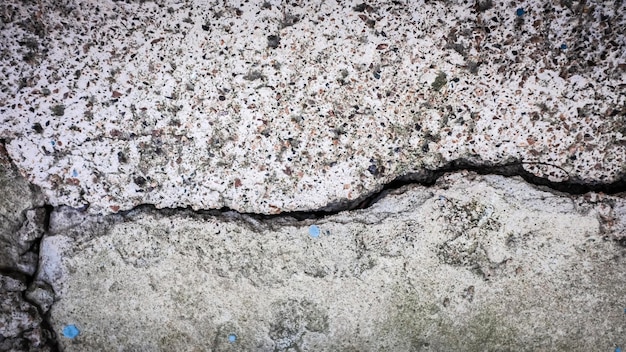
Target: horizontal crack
[[425, 178], [430, 177]]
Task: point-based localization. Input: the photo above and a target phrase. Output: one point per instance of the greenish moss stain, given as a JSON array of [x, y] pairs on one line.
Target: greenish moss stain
[[418, 323], [484, 331]]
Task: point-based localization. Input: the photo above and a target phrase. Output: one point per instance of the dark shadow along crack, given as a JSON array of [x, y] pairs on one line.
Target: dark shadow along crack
[[426, 178]]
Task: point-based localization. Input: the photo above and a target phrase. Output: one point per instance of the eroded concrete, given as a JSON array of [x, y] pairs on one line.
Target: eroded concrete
[[474, 263], [22, 219]]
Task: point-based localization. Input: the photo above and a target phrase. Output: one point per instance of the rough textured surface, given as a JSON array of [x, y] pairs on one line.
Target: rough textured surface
[[20, 321], [275, 106], [267, 108], [21, 225], [21, 219], [474, 264]]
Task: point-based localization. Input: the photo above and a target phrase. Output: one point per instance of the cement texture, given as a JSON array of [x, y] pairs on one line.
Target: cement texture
[[472, 264]]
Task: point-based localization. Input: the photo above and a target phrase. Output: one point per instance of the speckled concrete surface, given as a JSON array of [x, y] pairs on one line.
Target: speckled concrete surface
[[267, 108], [472, 264]]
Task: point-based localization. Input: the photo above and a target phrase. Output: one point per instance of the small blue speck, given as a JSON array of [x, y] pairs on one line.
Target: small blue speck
[[314, 231], [617, 349], [53, 143], [563, 46], [74, 173], [232, 338], [70, 331], [520, 12]]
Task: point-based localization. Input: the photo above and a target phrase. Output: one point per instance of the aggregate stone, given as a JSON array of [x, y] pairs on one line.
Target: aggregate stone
[[474, 263], [265, 107]]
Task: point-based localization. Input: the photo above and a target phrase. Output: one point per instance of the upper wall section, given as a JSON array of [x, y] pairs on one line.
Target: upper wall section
[[267, 108]]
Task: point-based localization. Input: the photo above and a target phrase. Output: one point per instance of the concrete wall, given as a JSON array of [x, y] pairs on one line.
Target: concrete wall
[[312, 176]]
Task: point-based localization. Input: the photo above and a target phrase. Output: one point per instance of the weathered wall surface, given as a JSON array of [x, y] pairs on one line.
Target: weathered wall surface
[[22, 218], [472, 264], [127, 125], [267, 108]]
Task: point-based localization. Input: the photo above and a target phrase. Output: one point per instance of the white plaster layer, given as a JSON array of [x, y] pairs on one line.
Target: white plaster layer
[[267, 108]]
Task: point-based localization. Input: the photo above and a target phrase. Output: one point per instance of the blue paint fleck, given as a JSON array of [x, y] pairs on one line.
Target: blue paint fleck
[[617, 349], [53, 143], [70, 331], [520, 12], [232, 338], [314, 231], [563, 46], [74, 173]]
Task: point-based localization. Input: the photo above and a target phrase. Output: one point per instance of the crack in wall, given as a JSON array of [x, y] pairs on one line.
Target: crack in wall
[[137, 249], [425, 178], [31, 283], [46, 326], [513, 169], [29, 337]]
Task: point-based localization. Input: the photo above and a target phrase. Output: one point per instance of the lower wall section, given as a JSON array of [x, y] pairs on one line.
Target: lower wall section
[[474, 263]]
